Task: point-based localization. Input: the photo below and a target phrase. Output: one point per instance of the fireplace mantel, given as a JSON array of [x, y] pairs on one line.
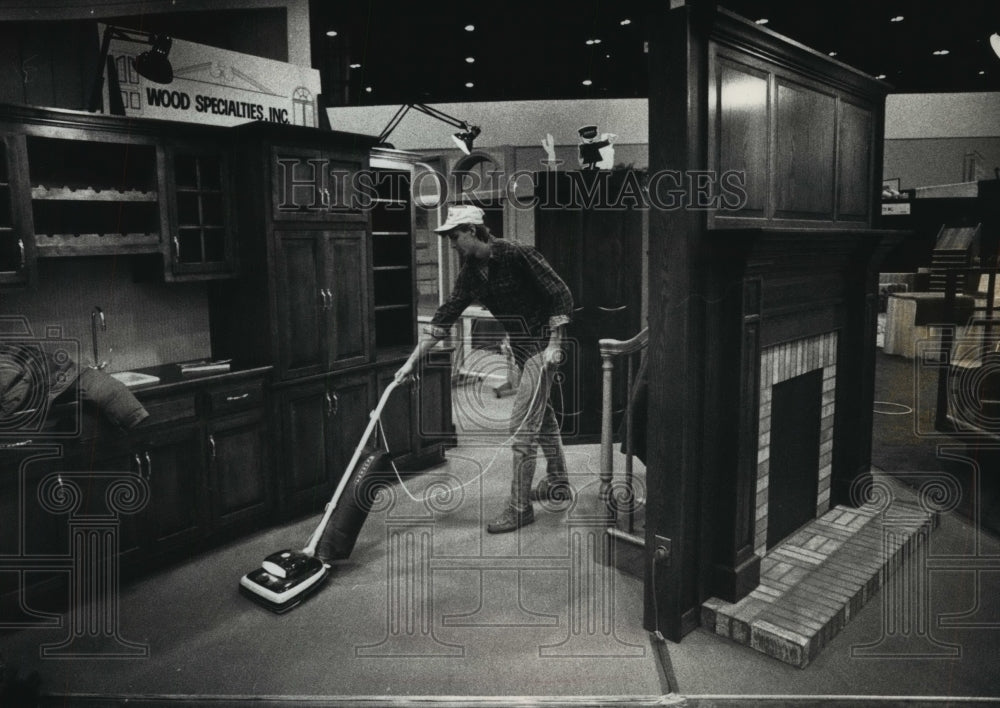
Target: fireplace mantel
[[788, 270]]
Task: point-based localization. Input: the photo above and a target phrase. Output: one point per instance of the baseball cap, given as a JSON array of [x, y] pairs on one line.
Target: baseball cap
[[460, 214]]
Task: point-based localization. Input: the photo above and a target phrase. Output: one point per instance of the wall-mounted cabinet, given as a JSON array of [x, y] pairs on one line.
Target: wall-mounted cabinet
[[95, 196], [17, 246], [80, 184], [200, 208]]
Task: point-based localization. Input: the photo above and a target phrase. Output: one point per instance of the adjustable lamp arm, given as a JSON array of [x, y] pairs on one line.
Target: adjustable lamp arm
[[471, 130]]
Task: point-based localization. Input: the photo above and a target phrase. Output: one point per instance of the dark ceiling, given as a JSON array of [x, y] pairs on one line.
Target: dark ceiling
[[417, 52]]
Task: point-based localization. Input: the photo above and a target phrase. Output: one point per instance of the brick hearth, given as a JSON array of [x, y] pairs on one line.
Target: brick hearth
[[817, 579]]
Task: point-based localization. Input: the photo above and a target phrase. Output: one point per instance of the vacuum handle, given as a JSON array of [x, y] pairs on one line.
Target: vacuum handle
[[346, 477]]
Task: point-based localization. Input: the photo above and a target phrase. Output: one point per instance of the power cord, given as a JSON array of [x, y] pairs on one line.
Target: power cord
[[453, 490]]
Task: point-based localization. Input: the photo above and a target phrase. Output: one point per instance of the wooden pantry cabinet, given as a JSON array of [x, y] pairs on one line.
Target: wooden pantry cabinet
[[326, 293]]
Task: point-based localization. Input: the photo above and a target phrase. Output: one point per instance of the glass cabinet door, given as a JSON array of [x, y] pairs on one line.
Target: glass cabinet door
[[202, 243], [16, 238]]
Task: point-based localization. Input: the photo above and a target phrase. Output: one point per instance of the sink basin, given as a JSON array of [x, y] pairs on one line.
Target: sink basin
[[134, 378]]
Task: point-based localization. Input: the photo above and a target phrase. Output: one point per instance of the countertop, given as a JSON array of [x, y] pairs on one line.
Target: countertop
[[171, 378], [71, 420]]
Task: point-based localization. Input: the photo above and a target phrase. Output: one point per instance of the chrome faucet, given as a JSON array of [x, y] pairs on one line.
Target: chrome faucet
[[97, 315]]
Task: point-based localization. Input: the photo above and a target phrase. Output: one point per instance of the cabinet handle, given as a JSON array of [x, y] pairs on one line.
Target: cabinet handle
[[177, 247], [322, 299], [20, 247], [238, 398], [336, 404], [612, 309], [329, 405], [149, 465], [211, 446], [138, 463], [329, 298]]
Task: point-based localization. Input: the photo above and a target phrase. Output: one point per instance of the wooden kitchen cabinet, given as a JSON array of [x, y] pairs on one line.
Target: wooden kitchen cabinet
[[322, 422], [168, 459], [75, 184], [595, 245], [239, 472], [315, 184], [17, 243], [321, 299], [199, 202]]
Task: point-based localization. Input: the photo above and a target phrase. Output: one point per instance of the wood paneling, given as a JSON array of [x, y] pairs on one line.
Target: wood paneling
[[804, 155], [854, 169], [742, 128], [803, 145]]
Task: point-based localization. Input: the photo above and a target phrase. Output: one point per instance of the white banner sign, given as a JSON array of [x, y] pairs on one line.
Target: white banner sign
[[216, 86]]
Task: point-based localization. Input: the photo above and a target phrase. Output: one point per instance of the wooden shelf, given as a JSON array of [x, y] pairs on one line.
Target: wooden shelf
[[56, 245], [89, 194]]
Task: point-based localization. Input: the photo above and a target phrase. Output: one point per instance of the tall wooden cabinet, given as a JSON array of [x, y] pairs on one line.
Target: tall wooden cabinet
[[326, 298], [590, 230]]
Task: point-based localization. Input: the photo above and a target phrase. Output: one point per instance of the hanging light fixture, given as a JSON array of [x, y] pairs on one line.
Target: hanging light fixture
[[152, 64]]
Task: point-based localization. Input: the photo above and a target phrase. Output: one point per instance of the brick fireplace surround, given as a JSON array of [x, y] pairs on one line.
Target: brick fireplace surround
[[780, 363]]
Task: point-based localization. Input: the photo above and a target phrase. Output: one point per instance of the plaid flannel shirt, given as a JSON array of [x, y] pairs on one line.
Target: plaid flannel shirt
[[521, 291]]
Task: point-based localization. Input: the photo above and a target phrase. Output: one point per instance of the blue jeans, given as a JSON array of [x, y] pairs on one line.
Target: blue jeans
[[533, 424]]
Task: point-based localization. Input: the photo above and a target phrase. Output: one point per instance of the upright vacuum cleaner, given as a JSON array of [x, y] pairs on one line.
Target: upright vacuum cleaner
[[287, 577]]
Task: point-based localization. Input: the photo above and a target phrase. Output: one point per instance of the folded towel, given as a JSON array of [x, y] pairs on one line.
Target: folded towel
[[112, 398]]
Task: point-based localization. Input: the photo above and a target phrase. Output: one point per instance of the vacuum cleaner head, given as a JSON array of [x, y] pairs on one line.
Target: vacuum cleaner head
[[284, 580]]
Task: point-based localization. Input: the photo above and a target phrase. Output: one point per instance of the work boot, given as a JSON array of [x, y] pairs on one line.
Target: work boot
[[511, 519], [554, 490]]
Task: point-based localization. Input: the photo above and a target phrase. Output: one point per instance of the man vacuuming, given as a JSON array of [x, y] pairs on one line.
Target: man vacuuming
[[522, 291]]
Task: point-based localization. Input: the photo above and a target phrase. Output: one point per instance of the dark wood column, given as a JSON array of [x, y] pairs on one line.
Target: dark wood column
[[677, 140]]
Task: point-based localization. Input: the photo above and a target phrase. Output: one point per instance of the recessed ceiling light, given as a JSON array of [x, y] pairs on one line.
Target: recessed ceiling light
[[587, 82], [626, 21], [470, 28], [761, 21], [941, 52], [832, 54], [331, 33], [982, 73], [880, 77], [469, 84], [368, 89], [470, 60], [355, 66], [897, 18]]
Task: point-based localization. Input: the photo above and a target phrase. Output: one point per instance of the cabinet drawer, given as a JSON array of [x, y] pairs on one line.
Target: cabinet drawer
[[248, 394], [168, 410]]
